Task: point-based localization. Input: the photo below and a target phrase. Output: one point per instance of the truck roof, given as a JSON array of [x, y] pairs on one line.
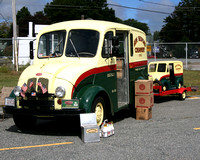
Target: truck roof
[[166, 62], [88, 24]]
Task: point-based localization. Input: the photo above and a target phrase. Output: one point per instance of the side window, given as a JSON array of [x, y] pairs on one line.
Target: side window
[[107, 44], [152, 67], [161, 67], [131, 42]]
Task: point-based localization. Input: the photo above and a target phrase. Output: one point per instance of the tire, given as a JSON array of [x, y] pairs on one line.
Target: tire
[[182, 96], [179, 85], [164, 88], [24, 122], [98, 107]]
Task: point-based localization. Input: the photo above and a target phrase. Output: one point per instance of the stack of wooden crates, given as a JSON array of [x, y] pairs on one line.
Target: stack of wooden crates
[[144, 99]]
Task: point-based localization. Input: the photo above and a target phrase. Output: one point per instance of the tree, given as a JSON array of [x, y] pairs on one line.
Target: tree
[[58, 10], [23, 17], [134, 23], [183, 24], [156, 36], [40, 18], [4, 29]]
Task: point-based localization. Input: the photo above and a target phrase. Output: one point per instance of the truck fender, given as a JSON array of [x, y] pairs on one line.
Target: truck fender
[[181, 90], [12, 94], [87, 95]]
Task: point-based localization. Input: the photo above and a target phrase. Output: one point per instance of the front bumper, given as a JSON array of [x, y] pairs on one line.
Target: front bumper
[[42, 113]]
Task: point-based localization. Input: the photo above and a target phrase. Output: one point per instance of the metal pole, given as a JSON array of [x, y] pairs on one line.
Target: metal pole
[[15, 34], [154, 51], [186, 51]]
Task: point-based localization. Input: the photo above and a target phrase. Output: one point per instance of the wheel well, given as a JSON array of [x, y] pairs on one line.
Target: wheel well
[[166, 84], [107, 102]]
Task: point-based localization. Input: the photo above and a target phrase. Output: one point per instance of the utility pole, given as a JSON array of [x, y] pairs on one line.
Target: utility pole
[[15, 34]]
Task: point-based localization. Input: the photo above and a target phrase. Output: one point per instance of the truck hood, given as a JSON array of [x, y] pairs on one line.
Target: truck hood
[[65, 71], [155, 75]]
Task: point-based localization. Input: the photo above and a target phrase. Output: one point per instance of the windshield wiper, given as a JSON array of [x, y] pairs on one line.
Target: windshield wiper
[[58, 45], [74, 48]]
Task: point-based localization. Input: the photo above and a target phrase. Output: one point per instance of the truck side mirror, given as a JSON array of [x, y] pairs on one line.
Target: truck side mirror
[[31, 49], [115, 46]]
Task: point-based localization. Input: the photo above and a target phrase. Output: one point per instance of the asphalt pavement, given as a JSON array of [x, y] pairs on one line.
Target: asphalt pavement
[[172, 133]]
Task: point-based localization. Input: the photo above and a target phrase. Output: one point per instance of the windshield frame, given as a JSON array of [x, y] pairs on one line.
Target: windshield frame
[[48, 47]]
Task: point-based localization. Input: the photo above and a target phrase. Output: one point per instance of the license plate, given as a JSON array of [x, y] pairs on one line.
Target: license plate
[[72, 103], [9, 101]]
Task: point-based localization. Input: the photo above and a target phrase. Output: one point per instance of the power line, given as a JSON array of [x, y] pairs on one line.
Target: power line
[[109, 4], [140, 9], [177, 8], [160, 4]]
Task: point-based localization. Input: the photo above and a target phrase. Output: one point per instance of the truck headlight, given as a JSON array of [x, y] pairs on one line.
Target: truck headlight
[[17, 91], [60, 92]]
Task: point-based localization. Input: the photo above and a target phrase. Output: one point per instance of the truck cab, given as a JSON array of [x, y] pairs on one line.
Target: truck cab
[[168, 74], [79, 66]]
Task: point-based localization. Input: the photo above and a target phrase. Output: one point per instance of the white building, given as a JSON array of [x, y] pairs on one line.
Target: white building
[[23, 44]]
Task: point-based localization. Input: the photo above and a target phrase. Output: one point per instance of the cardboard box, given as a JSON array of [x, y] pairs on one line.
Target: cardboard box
[[143, 113], [89, 128], [144, 101], [143, 87]]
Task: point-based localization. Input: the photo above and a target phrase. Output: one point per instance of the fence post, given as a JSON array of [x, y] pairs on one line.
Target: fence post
[[154, 51], [186, 51]]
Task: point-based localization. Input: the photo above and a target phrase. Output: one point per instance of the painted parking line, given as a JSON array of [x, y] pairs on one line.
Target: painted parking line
[[196, 128], [36, 146], [193, 97]]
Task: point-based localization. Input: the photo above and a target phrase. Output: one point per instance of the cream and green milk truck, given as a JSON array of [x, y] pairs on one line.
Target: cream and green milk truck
[[79, 66]]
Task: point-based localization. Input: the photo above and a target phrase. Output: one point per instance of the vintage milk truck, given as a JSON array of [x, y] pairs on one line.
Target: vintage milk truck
[[80, 66], [167, 77]]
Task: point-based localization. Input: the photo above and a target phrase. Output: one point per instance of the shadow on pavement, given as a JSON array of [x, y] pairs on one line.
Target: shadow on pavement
[[69, 126], [163, 99]]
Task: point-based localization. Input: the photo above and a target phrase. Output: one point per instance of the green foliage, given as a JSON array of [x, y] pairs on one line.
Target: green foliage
[[63, 10], [8, 50], [4, 69], [156, 36], [24, 17], [134, 23], [4, 29], [183, 24], [22, 14]]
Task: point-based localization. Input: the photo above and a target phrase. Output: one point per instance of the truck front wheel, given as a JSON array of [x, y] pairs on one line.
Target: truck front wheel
[[98, 107], [24, 121]]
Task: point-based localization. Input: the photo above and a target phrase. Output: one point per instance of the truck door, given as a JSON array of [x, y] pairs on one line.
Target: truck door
[[122, 69], [172, 76]]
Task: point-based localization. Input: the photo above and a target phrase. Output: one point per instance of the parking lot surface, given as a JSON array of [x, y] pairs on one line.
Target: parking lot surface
[[172, 133]]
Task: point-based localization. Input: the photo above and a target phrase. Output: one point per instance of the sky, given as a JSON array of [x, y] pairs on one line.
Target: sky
[[153, 19]]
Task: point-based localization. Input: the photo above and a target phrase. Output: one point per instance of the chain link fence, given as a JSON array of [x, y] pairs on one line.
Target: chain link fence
[[188, 52], [6, 52]]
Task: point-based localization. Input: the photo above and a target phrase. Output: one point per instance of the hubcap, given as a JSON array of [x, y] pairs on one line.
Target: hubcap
[[99, 113], [184, 95], [164, 88]]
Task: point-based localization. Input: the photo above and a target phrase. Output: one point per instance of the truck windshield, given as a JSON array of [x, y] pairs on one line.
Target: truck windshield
[[51, 44], [82, 43]]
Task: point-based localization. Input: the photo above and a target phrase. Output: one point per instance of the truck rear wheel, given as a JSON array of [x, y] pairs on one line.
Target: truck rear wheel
[[182, 96], [24, 122], [98, 107]]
